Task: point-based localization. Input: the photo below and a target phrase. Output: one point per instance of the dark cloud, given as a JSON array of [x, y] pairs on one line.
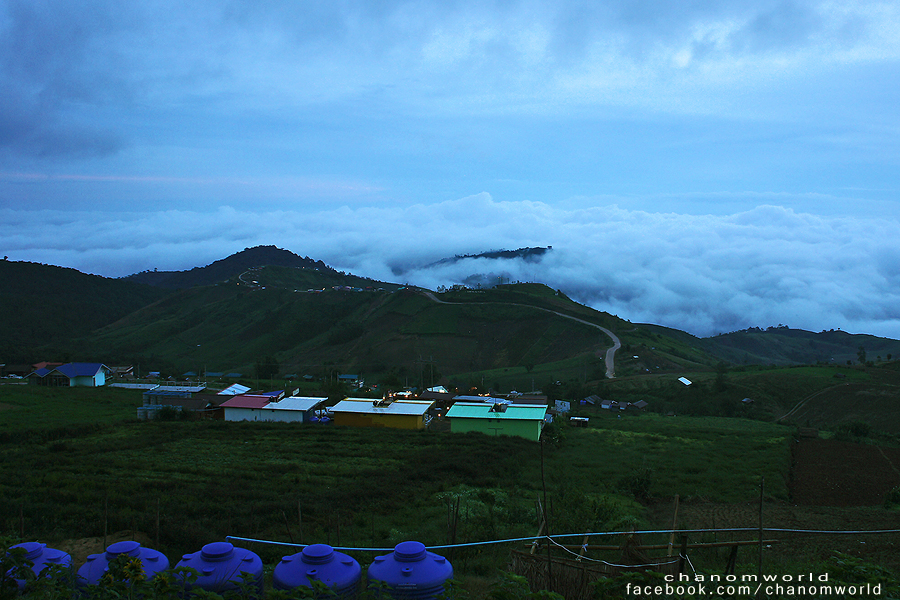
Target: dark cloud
[[54, 64]]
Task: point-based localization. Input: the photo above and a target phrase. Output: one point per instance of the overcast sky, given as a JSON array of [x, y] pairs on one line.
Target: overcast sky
[[706, 165]]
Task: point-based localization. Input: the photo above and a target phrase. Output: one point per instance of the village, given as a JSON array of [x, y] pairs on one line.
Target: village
[[435, 408]]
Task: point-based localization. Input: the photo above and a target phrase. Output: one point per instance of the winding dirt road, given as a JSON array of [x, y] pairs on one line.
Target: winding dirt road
[[609, 358]]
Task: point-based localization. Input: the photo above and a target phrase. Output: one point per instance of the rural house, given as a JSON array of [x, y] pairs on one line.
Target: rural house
[[498, 419], [294, 409], [247, 407], [364, 412], [271, 406], [206, 406], [71, 375]]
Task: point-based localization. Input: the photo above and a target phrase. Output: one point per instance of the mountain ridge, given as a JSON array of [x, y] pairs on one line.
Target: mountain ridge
[[224, 268], [34, 289]]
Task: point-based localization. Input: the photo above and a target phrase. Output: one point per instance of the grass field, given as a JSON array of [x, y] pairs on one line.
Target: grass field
[[36, 412], [75, 448], [74, 462]]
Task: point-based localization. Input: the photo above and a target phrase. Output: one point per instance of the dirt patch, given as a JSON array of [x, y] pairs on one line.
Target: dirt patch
[[79, 549], [834, 473]]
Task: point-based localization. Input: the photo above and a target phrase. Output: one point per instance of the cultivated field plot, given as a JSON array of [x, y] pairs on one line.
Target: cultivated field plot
[[872, 401], [836, 473], [833, 485]]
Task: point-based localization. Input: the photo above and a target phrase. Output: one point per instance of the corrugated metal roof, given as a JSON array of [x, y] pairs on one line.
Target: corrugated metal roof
[[246, 402], [296, 403], [194, 389], [167, 393], [366, 406], [488, 399], [525, 412], [81, 369], [234, 390], [133, 386]]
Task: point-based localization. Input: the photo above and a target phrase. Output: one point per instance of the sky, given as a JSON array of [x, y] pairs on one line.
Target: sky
[[704, 165]]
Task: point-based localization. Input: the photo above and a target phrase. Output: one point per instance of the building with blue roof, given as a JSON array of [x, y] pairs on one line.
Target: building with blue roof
[[72, 375]]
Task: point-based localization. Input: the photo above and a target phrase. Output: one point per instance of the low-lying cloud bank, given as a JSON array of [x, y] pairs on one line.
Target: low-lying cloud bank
[[702, 274]]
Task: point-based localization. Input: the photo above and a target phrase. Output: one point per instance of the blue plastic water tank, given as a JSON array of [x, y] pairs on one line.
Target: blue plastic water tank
[[220, 567], [97, 565], [411, 572], [41, 557], [319, 562]]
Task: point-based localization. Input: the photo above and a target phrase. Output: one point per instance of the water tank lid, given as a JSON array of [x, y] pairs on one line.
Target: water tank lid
[[32, 549], [409, 551], [317, 554], [217, 551], [131, 548]]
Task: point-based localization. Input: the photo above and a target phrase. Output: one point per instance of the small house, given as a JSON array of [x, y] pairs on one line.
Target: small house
[[246, 407], [71, 375], [124, 372], [365, 412], [524, 420], [294, 409]]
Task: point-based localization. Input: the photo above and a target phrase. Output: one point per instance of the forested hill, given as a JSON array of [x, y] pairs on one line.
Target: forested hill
[[782, 345], [526, 254], [226, 268], [45, 304]]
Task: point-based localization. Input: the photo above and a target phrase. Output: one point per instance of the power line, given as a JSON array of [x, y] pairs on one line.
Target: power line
[[599, 533]]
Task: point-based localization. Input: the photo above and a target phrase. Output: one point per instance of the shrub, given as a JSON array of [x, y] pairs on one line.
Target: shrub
[[852, 431], [892, 498], [639, 482]]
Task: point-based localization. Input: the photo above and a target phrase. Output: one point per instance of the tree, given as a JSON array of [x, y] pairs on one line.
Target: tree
[[861, 355]]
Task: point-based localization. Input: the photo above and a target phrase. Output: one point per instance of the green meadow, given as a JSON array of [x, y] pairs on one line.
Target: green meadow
[[75, 461], [75, 464]]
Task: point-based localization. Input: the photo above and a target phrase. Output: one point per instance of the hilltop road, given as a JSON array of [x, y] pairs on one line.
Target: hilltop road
[[609, 358]]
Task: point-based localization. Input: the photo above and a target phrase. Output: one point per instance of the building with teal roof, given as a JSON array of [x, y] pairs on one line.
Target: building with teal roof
[[523, 420]]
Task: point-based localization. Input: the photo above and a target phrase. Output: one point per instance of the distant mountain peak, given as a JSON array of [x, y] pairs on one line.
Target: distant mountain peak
[[528, 254], [220, 270]]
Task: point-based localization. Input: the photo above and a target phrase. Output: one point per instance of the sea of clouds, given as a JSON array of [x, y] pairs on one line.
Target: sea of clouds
[[705, 274]]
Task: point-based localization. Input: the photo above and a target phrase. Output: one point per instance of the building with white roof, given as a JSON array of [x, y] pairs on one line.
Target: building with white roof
[[365, 412]]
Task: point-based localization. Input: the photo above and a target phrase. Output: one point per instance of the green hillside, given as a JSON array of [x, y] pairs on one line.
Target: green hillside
[[785, 346], [44, 305], [232, 325]]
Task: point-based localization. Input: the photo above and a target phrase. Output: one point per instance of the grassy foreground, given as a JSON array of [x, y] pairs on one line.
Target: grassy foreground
[[74, 464], [68, 453]]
